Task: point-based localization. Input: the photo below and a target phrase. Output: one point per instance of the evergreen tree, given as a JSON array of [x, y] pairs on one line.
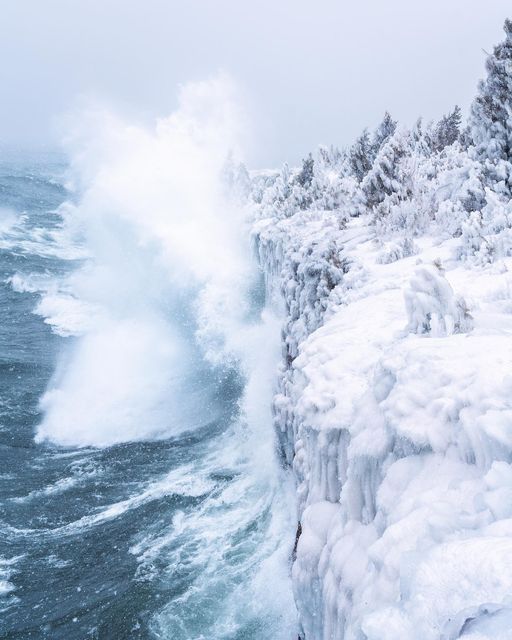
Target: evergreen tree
[[491, 111], [360, 156], [447, 130], [383, 132], [329, 157], [419, 142], [278, 197], [305, 175], [385, 177], [465, 138]]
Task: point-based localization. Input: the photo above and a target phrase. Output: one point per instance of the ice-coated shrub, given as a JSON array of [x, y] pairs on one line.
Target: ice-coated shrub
[[393, 251], [432, 306]]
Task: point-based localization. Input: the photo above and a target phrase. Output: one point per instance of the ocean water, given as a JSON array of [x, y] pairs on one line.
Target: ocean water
[[140, 496]]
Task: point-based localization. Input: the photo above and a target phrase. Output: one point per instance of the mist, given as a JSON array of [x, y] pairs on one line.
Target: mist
[[308, 73]]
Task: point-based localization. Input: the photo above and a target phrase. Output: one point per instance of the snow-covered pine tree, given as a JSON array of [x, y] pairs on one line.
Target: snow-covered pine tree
[[330, 157], [363, 152], [333, 185], [382, 134], [418, 142], [465, 137], [305, 175], [361, 156], [447, 130], [491, 115], [384, 178], [279, 199], [304, 183]]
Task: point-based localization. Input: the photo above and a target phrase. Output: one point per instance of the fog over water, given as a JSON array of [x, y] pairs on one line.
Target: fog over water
[[309, 73]]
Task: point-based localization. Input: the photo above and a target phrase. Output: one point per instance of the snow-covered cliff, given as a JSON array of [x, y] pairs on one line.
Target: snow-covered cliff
[[395, 412], [394, 407]]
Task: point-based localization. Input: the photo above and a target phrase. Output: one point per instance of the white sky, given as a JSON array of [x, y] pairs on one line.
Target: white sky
[[310, 71]]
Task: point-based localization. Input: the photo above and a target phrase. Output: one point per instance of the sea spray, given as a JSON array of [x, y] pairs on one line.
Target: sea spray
[[168, 260], [172, 308]]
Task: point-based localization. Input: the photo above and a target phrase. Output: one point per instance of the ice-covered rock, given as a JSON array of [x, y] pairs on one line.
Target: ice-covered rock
[[400, 441]]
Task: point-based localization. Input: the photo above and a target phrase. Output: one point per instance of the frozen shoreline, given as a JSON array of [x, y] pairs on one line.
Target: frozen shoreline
[[397, 435]]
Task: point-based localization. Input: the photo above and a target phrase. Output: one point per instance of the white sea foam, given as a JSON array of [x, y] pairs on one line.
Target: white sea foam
[[7, 588], [234, 546], [80, 472]]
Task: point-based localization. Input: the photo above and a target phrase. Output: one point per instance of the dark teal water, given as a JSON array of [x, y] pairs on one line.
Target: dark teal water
[[152, 539]]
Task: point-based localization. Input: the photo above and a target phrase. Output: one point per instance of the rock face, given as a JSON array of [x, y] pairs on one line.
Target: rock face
[[394, 413]]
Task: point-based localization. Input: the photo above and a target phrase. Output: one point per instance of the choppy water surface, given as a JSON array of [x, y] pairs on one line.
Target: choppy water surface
[[171, 535]]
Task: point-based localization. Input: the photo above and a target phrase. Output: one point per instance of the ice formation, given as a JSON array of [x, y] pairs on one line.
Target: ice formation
[[394, 406]]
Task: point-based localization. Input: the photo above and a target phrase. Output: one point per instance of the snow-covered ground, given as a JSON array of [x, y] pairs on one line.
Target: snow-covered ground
[[396, 414]]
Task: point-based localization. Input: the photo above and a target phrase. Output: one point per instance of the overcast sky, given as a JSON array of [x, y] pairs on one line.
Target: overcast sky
[[310, 71]]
